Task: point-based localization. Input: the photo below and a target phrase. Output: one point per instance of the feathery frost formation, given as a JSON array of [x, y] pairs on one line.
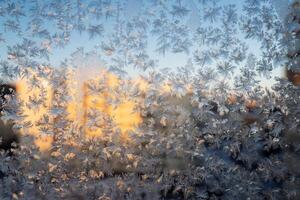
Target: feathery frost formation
[[206, 127]]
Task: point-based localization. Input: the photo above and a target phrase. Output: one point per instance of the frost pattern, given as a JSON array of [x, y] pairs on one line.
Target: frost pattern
[[207, 129]]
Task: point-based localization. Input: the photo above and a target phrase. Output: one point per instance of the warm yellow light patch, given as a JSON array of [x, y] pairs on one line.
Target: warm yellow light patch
[[125, 116], [165, 88], [33, 113], [21, 87], [93, 102], [72, 110], [96, 133], [112, 80], [83, 101], [189, 89], [142, 84], [44, 143]]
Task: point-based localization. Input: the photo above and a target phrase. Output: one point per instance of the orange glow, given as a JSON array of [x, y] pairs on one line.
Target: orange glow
[[74, 111], [44, 143], [232, 99], [96, 102], [32, 112], [190, 89], [126, 118], [122, 115], [112, 80], [251, 104], [101, 111], [166, 87], [142, 84], [82, 101]]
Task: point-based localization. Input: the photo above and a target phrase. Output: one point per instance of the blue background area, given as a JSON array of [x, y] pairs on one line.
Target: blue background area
[[132, 8]]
